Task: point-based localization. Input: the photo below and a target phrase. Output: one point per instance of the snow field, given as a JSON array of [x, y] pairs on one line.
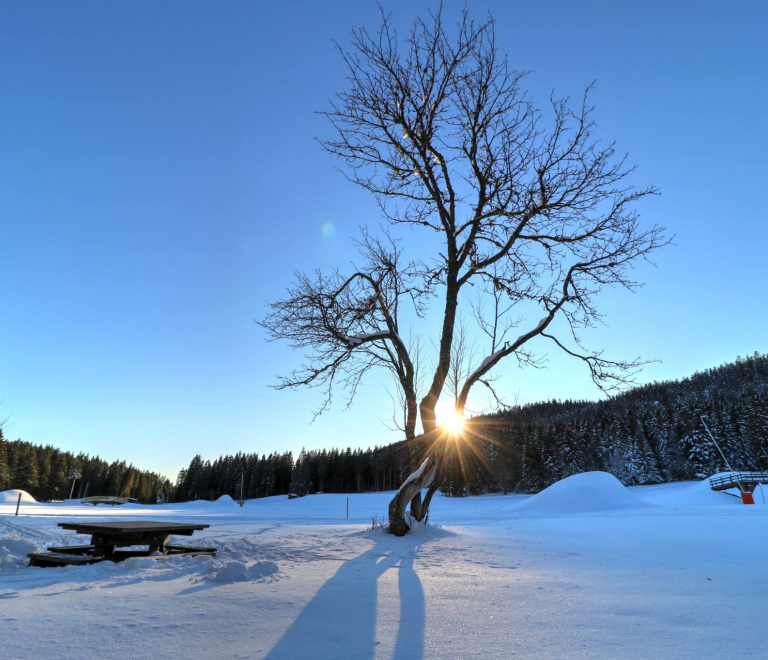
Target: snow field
[[585, 569]]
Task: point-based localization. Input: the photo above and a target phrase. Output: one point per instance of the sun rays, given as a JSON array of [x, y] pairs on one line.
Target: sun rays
[[449, 419]]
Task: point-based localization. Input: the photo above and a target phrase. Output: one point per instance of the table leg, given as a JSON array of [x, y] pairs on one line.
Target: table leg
[[101, 547], [158, 544], [106, 545]]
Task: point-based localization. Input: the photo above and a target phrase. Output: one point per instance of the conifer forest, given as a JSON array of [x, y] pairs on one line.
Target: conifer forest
[[51, 474], [650, 434]]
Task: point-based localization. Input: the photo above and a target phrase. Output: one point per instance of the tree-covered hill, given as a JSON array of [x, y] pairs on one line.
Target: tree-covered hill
[[327, 470], [650, 434], [48, 473]]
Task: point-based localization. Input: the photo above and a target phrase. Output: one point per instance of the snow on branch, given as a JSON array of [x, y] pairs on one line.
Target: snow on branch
[[490, 360], [506, 350], [415, 475], [356, 340]]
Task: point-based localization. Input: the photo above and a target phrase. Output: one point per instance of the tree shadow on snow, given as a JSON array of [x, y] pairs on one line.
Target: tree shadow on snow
[[340, 621]]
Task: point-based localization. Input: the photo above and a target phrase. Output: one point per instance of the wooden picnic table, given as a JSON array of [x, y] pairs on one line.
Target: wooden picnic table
[[107, 537]]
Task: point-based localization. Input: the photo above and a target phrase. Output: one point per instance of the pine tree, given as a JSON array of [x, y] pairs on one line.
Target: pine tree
[[26, 476], [4, 473]]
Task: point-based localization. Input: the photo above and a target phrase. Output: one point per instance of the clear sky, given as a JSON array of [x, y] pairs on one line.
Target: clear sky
[[159, 181]]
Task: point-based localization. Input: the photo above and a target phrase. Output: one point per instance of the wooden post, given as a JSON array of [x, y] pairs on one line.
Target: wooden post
[[18, 504]]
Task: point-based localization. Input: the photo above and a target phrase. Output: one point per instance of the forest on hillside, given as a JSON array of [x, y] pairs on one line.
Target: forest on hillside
[[650, 434], [327, 470], [48, 473]]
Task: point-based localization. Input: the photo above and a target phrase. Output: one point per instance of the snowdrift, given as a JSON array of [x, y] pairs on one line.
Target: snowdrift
[[584, 493], [13, 551], [225, 501], [12, 496], [237, 571]]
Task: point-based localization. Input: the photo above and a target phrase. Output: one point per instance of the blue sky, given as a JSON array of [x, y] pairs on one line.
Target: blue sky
[[159, 181]]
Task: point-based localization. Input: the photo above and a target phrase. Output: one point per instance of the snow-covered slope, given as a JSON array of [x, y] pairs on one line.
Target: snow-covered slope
[[585, 569]]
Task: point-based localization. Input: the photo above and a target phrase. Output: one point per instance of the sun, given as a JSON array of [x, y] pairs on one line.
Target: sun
[[448, 418], [453, 423]]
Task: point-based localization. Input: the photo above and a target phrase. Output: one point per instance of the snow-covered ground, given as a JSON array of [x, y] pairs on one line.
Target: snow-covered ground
[[586, 569]]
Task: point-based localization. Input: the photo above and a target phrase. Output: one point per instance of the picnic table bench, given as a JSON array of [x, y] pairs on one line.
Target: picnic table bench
[[108, 537]]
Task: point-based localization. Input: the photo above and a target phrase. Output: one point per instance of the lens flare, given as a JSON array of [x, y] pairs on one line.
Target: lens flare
[[448, 418], [453, 423]]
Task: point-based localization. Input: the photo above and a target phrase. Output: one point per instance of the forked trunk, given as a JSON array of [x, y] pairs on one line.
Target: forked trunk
[[417, 507], [428, 475], [399, 521], [436, 483], [431, 475]]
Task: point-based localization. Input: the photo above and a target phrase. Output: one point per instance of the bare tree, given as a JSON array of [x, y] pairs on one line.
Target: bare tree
[[3, 420], [531, 209], [405, 399], [350, 324], [463, 355]]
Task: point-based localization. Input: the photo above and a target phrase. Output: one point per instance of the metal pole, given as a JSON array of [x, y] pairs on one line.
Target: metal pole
[[727, 464], [18, 504], [347, 507], [72, 490]]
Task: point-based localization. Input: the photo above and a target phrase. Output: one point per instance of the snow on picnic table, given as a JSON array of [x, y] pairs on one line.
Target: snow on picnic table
[[586, 569]]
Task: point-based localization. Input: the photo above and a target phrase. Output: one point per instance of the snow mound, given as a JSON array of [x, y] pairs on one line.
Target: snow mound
[[584, 493], [223, 501], [12, 496], [140, 562], [237, 571], [13, 551]]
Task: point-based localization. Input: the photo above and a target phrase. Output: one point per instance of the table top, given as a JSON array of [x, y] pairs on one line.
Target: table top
[[133, 526]]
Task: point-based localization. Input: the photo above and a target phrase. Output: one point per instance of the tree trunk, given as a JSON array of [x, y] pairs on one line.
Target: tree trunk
[[416, 451], [436, 483], [398, 524], [399, 521], [416, 507]]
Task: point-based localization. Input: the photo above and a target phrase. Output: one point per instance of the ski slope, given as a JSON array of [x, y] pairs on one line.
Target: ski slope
[[585, 569]]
